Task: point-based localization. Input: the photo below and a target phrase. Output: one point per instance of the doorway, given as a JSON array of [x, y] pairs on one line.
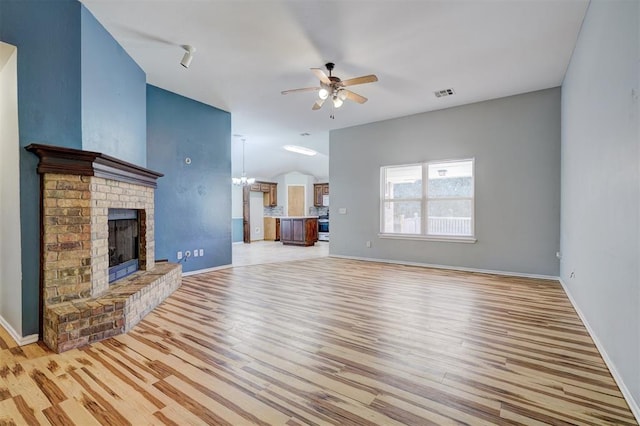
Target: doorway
[[295, 200]]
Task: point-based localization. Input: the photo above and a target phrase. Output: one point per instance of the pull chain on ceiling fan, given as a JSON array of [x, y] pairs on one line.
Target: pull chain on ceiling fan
[[335, 88]]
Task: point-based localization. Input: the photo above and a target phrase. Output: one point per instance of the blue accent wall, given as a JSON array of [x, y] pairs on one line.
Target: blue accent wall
[[192, 201], [77, 88], [237, 230], [113, 96], [47, 35]]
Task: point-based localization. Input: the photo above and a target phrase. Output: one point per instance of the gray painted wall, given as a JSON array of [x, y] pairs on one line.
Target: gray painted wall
[[600, 183], [236, 201], [10, 256], [516, 145]]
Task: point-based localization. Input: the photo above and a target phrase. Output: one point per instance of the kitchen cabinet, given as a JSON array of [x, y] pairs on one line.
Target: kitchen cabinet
[[319, 189], [301, 231], [270, 196], [272, 228]]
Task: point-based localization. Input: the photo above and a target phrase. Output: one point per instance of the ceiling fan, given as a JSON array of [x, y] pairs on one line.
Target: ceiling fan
[[334, 88]]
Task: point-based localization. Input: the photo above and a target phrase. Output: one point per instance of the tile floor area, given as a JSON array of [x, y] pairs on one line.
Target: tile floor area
[[260, 252]]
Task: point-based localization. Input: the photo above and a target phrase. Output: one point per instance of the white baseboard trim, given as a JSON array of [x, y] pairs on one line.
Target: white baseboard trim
[[20, 340], [628, 396], [202, 271], [453, 268], [27, 340]]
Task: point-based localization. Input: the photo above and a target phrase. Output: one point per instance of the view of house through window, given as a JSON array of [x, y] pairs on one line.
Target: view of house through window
[[429, 199]]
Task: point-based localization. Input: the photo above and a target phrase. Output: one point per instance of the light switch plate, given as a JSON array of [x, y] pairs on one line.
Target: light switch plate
[[342, 210]]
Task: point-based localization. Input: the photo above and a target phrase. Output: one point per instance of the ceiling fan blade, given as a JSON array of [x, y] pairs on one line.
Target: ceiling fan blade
[[321, 75], [304, 89], [318, 104], [355, 97], [360, 80]]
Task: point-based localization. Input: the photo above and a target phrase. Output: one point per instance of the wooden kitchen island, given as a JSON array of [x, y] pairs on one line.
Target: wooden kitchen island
[[299, 230]]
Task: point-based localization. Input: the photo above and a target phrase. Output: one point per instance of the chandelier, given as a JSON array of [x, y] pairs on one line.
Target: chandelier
[[243, 180]]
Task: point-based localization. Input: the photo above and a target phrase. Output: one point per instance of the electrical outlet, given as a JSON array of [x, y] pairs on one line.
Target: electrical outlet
[[195, 253], [179, 255], [187, 254], [368, 244], [201, 252], [342, 210]]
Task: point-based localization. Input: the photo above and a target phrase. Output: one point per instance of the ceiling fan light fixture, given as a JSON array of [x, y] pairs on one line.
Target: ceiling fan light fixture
[[323, 93], [300, 150], [333, 87]]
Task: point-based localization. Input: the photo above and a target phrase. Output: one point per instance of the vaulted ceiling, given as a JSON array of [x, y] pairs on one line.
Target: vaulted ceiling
[[247, 52]]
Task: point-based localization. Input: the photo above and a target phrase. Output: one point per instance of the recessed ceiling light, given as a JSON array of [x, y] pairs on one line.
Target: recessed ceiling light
[[300, 150]]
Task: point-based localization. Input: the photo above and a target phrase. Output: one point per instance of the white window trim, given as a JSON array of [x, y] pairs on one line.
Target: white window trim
[[468, 239], [436, 238]]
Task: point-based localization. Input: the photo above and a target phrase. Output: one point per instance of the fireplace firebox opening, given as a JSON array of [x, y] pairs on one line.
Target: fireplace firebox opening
[[124, 244]]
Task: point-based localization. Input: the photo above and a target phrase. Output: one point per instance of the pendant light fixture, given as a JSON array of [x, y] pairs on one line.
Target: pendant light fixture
[[243, 180]]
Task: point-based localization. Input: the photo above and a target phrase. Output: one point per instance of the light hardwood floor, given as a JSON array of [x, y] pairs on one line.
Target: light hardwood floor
[[329, 341]]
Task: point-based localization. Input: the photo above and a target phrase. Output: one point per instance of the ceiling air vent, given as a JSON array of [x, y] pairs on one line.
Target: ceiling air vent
[[443, 93]]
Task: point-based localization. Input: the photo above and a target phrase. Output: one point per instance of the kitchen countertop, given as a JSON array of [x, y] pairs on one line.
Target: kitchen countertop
[[297, 217]]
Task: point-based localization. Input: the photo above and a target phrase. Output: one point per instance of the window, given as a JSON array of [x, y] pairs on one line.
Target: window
[[432, 200]]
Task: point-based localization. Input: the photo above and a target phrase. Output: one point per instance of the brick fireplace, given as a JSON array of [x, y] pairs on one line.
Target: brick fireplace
[[78, 304]]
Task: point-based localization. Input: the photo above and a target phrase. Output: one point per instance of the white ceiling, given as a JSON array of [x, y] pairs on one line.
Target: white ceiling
[[249, 51]]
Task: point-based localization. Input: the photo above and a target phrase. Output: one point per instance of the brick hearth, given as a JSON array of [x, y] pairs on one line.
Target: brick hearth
[[78, 322], [79, 305]]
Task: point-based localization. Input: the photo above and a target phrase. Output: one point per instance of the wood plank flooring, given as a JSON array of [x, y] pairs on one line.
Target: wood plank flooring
[[328, 341]]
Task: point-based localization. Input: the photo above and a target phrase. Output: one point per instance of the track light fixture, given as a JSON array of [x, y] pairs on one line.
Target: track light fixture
[[188, 55]]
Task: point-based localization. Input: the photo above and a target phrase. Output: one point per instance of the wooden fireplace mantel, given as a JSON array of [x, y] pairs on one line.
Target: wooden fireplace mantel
[[55, 159]]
